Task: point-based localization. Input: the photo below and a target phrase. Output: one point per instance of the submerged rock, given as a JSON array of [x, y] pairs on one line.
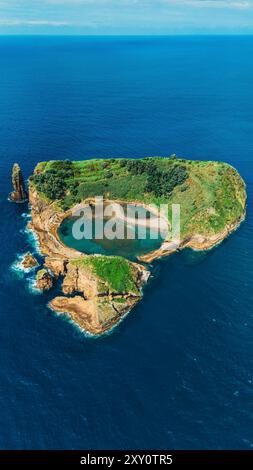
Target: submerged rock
[[44, 280], [19, 194], [29, 261]]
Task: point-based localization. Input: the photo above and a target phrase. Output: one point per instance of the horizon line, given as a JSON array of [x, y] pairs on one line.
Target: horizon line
[[242, 34]]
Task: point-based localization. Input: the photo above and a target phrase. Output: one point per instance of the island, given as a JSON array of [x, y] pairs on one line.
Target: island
[[98, 290]]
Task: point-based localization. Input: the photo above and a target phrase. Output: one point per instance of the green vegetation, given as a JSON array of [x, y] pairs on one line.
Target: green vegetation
[[41, 274], [119, 300], [54, 181], [116, 271], [71, 182], [159, 181], [211, 194]]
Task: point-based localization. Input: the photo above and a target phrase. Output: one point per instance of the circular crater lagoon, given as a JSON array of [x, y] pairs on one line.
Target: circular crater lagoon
[[126, 236]]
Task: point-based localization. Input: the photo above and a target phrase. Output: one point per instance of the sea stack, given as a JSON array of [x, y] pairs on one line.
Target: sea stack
[[19, 194]]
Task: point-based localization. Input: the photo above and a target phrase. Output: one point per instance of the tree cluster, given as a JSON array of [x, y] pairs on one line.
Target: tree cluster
[[158, 181], [53, 182], [162, 183]]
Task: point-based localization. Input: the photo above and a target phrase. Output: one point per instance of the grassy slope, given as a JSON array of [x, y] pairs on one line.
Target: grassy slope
[[117, 272], [212, 196]]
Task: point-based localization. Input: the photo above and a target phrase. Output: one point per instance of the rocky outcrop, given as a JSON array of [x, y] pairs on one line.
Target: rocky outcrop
[[19, 194], [87, 300], [44, 280], [196, 242], [29, 261], [80, 310], [90, 303], [46, 218], [56, 265]]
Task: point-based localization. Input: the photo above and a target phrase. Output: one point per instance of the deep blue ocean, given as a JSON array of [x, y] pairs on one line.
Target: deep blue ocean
[[178, 371]]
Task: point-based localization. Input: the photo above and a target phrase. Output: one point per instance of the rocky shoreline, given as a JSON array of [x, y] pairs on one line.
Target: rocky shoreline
[[196, 243], [90, 303]]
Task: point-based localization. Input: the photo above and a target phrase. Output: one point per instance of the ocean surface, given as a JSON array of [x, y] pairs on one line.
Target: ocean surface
[[178, 371]]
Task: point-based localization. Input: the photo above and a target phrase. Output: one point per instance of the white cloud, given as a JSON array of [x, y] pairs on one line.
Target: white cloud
[[127, 15], [231, 4], [241, 4], [20, 22], [210, 3]]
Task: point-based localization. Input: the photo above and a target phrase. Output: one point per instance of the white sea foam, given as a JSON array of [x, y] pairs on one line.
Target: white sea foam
[[21, 272], [68, 319], [26, 215], [18, 267], [33, 239], [84, 332], [32, 286]]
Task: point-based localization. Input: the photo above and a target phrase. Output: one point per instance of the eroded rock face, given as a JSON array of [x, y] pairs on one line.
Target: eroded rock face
[[19, 194], [44, 280], [46, 219], [56, 265], [29, 261], [90, 303], [85, 297], [80, 310]]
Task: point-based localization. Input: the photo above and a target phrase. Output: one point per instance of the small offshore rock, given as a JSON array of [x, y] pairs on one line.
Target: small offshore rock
[[29, 261], [44, 280]]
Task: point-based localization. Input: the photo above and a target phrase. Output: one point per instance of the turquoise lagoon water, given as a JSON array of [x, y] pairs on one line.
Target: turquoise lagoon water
[[130, 237], [178, 371]]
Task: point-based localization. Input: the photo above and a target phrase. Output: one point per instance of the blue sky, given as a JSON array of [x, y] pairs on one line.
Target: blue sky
[[126, 17]]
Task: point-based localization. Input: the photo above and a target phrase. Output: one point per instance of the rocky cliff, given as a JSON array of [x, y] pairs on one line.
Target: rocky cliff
[[19, 193], [90, 301], [88, 298], [44, 280], [212, 202], [197, 242]]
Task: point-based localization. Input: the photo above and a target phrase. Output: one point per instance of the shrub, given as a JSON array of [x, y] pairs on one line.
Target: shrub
[[52, 182], [163, 183]]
